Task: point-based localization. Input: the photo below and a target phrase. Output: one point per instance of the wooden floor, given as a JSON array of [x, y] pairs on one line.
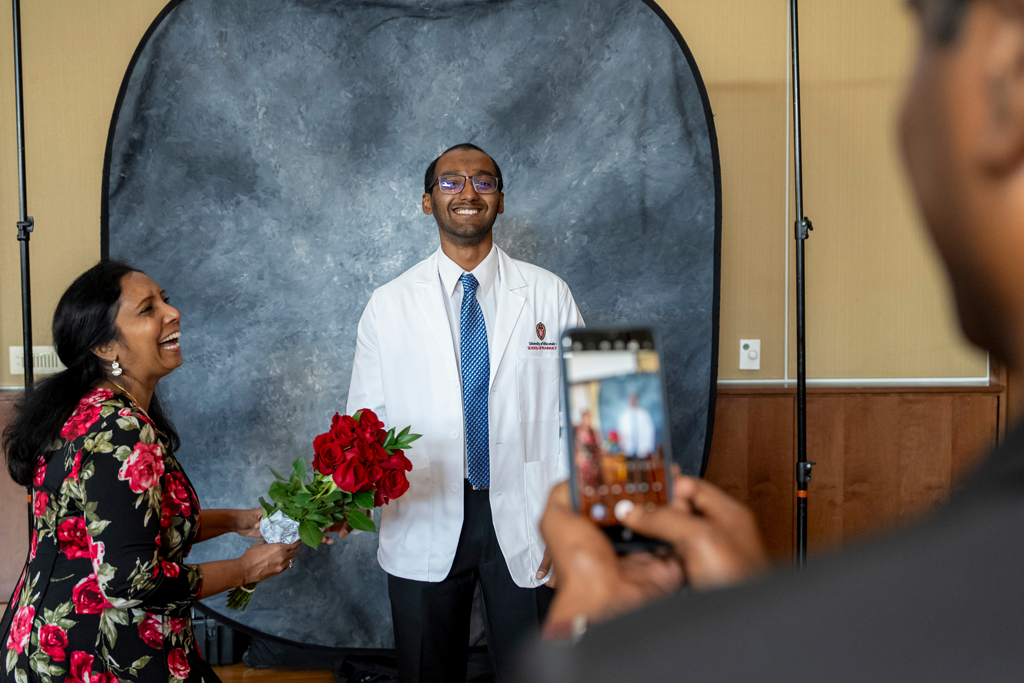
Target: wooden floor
[[240, 672]]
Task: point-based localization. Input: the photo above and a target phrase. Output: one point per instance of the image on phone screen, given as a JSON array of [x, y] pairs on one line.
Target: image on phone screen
[[616, 402]]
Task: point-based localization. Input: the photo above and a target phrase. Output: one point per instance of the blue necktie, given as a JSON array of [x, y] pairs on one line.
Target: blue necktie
[[476, 375]]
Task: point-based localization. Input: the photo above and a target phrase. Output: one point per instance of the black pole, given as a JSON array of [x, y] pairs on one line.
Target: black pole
[[802, 232], [25, 224]]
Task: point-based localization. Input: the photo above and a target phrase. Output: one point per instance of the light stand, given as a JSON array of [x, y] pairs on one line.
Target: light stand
[[803, 228], [26, 223]]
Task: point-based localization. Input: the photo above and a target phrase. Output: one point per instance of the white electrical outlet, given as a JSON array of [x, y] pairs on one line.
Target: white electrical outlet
[[44, 360], [750, 354]]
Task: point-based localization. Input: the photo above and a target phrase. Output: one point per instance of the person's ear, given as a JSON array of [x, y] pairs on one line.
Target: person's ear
[[1002, 144], [428, 203], [501, 202], [106, 352]]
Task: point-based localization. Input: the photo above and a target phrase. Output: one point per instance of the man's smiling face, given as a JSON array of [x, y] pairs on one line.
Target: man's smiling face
[[465, 219]]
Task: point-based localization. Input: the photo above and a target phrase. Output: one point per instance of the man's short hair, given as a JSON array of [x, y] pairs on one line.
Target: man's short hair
[[949, 20], [429, 178]]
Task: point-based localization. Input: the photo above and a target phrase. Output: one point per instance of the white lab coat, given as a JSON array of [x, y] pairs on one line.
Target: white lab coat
[[405, 371], [636, 432]]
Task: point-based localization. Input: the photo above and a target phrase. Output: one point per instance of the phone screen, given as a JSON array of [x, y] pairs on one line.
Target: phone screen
[[619, 434]]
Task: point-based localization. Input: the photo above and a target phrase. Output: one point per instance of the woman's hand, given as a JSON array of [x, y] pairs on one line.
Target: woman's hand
[[264, 560], [247, 522]]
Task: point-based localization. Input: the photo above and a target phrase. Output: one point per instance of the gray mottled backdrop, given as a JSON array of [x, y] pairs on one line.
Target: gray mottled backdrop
[[266, 166]]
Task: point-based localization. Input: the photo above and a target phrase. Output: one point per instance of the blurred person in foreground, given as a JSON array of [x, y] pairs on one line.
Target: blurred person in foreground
[[106, 594], [942, 601]]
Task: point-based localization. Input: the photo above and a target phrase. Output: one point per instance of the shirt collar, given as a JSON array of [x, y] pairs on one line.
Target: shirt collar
[[451, 272]]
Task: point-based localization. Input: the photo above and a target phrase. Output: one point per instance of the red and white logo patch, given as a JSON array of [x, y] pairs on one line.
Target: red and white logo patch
[[541, 330]]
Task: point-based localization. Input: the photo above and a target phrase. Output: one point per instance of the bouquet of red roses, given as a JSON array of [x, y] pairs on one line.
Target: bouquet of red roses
[[357, 466]]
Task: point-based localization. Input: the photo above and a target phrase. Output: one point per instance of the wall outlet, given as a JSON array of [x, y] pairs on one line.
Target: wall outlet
[[44, 360], [750, 354]]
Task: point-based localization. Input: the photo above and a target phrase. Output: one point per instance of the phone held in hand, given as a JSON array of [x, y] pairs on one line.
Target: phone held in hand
[[616, 428]]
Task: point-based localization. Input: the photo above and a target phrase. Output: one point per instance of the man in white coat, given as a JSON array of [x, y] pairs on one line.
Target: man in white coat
[[464, 347]]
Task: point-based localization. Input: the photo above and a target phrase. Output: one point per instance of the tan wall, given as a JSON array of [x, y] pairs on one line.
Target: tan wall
[[877, 302]]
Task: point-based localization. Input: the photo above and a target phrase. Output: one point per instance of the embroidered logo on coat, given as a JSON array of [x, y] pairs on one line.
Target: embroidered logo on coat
[[541, 330]]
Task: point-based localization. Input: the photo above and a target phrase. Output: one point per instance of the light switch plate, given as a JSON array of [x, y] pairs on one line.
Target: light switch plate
[[750, 354]]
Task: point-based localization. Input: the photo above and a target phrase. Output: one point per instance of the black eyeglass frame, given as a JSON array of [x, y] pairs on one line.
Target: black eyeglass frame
[[496, 179]]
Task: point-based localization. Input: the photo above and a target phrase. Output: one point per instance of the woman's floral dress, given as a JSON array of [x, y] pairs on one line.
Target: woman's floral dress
[[105, 595]]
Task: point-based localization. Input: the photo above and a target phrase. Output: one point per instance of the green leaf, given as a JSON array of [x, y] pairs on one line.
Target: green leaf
[[268, 509], [334, 496], [276, 475], [363, 500], [358, 520], [278, 492], [310, 534], [319, 519], [356, 415], [96, 528], [141, 662], [56, 670], [19, 675], [299, 468], [12, 657]]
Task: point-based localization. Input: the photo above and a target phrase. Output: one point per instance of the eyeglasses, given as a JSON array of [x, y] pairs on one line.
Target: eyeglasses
[[452, 183]]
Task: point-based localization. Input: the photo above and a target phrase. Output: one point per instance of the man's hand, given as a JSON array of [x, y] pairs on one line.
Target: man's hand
[[545, 567], [593, 581], [714, 541], [342, 529], [714, 536]]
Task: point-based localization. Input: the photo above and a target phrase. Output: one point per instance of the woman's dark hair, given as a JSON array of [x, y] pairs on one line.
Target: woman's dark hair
[[84, 319]]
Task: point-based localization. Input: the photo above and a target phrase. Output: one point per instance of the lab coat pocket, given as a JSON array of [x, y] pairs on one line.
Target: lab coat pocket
[[538, 384]]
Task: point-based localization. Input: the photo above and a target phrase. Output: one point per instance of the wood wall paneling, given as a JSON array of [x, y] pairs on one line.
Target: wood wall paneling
[[883, 459]]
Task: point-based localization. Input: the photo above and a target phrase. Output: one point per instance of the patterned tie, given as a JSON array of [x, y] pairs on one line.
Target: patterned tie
[[476, 375]]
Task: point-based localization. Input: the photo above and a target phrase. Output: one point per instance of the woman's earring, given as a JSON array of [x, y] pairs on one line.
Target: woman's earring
[[115, 369]]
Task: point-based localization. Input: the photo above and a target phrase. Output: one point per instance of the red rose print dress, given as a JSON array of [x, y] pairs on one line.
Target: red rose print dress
[[105, 595]]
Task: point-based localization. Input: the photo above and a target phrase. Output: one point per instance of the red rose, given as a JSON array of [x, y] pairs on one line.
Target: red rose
[[105, 677], [176, 624], [351, 474], [88, 597], [21, 629], [393, 484], [177, 663], [76, 467], [81, 668], [96, 397], [52, 640], [176, 494], [343, 430], [369, 428], [143, 468], [85, 416], [42, 499], [151, 630], [33, 545], [17, 589], [398, 461], [124, 412], [40, 474], [328, 454], [169, 569], [374, 472], [73, 536], [377, 452]]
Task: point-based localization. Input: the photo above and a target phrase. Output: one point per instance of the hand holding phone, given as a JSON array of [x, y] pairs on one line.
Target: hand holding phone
[[616, 428]]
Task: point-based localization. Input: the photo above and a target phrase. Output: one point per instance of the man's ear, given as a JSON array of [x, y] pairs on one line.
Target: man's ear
[[1002, 145], [106, 352], [428, 204], [501, 202]]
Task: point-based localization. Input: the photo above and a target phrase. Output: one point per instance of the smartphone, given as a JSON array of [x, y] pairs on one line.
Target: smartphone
[[616, 428]]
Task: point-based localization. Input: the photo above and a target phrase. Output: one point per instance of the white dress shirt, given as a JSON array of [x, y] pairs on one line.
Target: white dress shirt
[[486, 274]]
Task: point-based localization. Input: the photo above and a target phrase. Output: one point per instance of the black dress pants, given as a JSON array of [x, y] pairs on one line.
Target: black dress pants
[[432, 618]]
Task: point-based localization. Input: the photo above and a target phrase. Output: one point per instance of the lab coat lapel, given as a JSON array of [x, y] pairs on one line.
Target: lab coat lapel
[[431, 312], [510, 307]]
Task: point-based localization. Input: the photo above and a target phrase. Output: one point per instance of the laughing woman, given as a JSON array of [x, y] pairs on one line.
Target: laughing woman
[[106, 594]]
